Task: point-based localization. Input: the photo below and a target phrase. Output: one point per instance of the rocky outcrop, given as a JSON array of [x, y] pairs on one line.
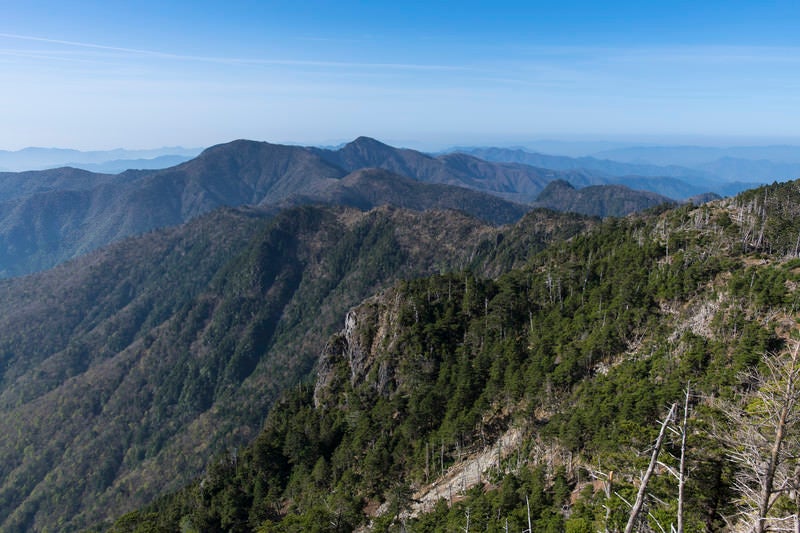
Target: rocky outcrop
[[364, 351]]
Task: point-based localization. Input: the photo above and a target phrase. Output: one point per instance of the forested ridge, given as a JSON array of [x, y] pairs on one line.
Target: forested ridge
[[125, 371], [536, 397]]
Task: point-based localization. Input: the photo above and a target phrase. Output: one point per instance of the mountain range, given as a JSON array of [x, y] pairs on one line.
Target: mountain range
[[50, 216], [282, 338], [723, 176], [693, 156], [760, 164]]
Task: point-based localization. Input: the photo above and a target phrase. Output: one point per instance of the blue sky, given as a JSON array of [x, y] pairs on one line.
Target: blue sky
[[97, 75]]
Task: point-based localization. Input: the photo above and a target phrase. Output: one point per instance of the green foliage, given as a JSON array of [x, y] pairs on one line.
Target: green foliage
[[162, 351], [438, 366]]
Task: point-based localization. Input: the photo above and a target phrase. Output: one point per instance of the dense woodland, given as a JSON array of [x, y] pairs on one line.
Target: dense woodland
[[638, 374], [126, 371]]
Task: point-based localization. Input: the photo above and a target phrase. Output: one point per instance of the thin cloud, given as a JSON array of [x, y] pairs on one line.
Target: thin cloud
[[238, 61]]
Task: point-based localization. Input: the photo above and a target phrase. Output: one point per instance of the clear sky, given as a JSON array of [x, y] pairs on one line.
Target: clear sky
[[105, 74]]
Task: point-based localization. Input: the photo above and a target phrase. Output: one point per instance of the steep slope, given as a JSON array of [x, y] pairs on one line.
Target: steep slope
[[128, 369], [526, 400], [63, 336]]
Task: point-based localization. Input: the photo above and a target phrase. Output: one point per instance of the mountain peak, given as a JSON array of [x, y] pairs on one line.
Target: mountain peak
[[558, 185], [367, 146], [367, 141], [232, 146]]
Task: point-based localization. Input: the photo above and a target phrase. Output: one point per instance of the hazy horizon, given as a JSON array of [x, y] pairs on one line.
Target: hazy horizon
[[95, 76], [654, 141]]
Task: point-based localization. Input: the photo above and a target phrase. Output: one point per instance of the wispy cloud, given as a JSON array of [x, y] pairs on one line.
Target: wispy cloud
[[239, 60]]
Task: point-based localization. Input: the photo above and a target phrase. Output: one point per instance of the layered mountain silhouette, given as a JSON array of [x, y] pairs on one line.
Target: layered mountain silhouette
[[37, 158], [608, 167], [726, 176], [50, 216]]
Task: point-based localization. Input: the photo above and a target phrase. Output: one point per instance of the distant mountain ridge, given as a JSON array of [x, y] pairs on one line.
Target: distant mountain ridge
[[675, 181], [516, 182], [606, 166], [115, 166], [750, 165], [35, 158], [693, 156], [51, 216]]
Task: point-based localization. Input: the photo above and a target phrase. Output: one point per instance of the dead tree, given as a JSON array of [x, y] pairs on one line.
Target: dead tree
[[640, 496], [763, 441], [682, 467], [680, 474]]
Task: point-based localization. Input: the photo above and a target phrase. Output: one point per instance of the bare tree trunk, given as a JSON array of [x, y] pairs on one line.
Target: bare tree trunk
[[767, 488], [441, 459], [637, 505], [761, 431], [608, 491], [682, 468], [796, 500], [528, 506], [427, 460]]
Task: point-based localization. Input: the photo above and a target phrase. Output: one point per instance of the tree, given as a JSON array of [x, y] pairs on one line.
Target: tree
[[763, 442], [640, 496], [681, 430]]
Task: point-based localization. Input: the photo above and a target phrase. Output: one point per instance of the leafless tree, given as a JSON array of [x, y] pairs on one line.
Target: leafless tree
[[640, 496], [681, 431], [764, 443]]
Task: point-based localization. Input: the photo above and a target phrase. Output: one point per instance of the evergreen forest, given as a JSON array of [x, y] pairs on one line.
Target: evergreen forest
[[568, 374]]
